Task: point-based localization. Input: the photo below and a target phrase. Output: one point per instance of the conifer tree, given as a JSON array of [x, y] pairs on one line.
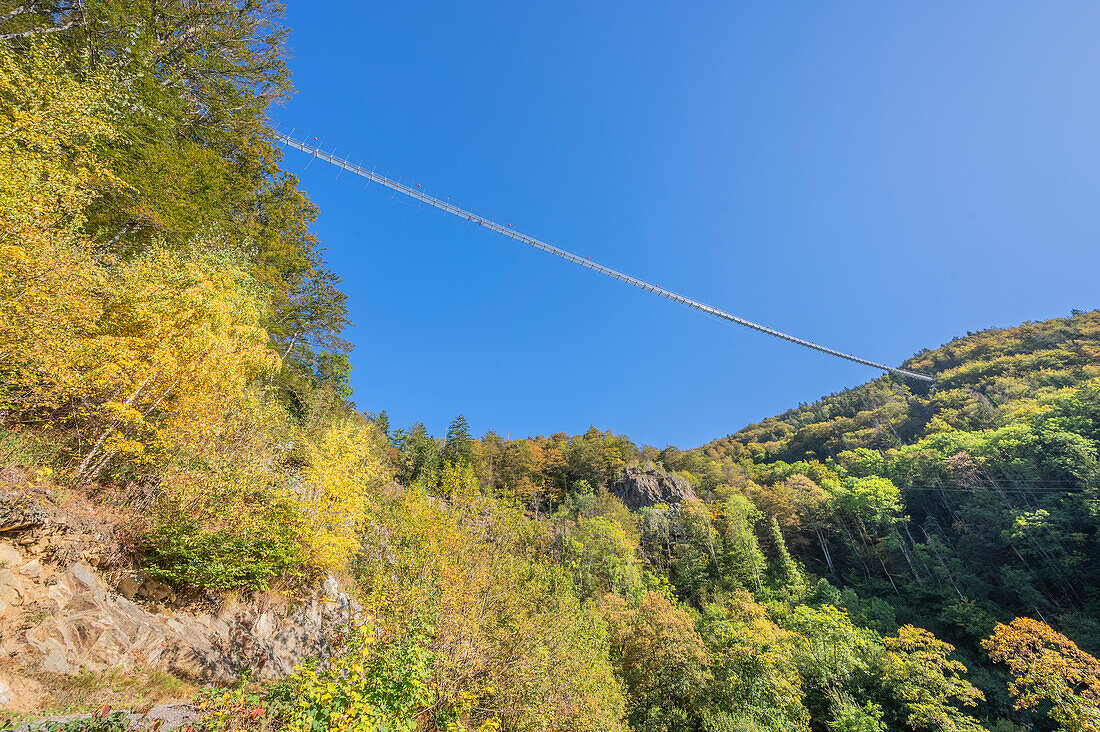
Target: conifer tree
[[383, 421], [459, 446]]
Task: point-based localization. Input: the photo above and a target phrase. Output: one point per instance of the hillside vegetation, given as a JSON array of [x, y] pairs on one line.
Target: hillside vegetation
[[171, 351]]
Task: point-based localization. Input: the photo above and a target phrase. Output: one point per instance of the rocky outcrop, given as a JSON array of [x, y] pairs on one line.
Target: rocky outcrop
[[68, 620], [66, 607], [647, 486]]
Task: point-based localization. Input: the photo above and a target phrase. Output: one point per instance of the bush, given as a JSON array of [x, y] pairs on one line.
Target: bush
[[235, 555], [379, 683], [342, 471]]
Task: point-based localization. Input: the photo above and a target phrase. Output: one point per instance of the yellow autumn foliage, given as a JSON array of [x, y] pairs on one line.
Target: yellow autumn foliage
[[51, 123], [53, 118], [149, 355], [137, 354], [512, 643], [179, 337], [343, 473]]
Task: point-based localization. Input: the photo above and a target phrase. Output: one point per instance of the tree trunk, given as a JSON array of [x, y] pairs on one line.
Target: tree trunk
[[825, 551]]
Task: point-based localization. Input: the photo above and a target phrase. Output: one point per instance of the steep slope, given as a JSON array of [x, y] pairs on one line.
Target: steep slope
[[973, 501], [983, 380]]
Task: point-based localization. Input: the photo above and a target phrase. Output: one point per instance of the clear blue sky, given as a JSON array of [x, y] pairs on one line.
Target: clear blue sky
[[875, 176]]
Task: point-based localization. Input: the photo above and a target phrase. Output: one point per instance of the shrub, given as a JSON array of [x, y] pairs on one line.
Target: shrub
[[379, 683], [245, 555]]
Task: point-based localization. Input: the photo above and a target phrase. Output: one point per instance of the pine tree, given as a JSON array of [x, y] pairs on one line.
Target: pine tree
[[382, 420], [419, 456], [459, 446]]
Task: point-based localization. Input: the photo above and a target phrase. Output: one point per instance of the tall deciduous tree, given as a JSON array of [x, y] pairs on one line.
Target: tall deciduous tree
[[929, 682], [1049, 668], [755, 677], [661, 659]]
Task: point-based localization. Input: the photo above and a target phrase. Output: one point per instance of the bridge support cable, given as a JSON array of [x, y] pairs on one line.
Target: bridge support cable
[[508, 231]]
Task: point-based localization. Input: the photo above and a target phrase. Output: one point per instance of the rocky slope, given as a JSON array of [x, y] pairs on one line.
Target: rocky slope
[[66, 607]]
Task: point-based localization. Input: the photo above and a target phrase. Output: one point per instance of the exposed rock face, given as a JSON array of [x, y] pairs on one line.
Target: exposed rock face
[[65, 607], [647, 486], [68, 604], [70, 620]]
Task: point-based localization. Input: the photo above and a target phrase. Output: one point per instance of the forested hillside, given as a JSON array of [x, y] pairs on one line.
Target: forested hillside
[[867, 551], [888, 558], [965, 504]]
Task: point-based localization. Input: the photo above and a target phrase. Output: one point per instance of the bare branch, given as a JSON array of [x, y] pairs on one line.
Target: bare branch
[[18, 11], [37, 31]]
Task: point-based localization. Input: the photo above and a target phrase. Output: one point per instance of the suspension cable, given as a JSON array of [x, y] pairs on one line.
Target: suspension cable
[[508, 231]]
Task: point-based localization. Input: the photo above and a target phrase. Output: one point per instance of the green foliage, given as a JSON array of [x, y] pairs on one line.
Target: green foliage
[[834, 656], [601, 555], [788, 573], [419, 461], [855, 718], [188, 149], [956, 507], [234, 555], [742, 557], [459, 445], [378, 683], [719, 721], [872, 499]]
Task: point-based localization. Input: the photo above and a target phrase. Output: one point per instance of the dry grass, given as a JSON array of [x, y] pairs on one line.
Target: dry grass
[[136, 690]]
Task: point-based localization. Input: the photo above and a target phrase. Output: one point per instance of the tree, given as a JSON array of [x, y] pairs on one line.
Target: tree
[[459, 446], [490, 452], [602, 556], [334, 371], [511, 640], [786, 569], [741, 557], [851, 717], [522, 470], [54, 121], [197, 150], [697, 521], [755, 677], [56, 116], [873, 500], [458, 481], [343, 472], [929, 682], [795, 503], [382, 421], [192, 84], [834, 657], [598, 457], [419, 456], [661, 659], [180, 332], [147, 355], [1048, 667]]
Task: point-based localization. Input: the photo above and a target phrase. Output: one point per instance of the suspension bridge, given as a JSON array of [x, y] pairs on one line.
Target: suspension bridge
[[418, 194]]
